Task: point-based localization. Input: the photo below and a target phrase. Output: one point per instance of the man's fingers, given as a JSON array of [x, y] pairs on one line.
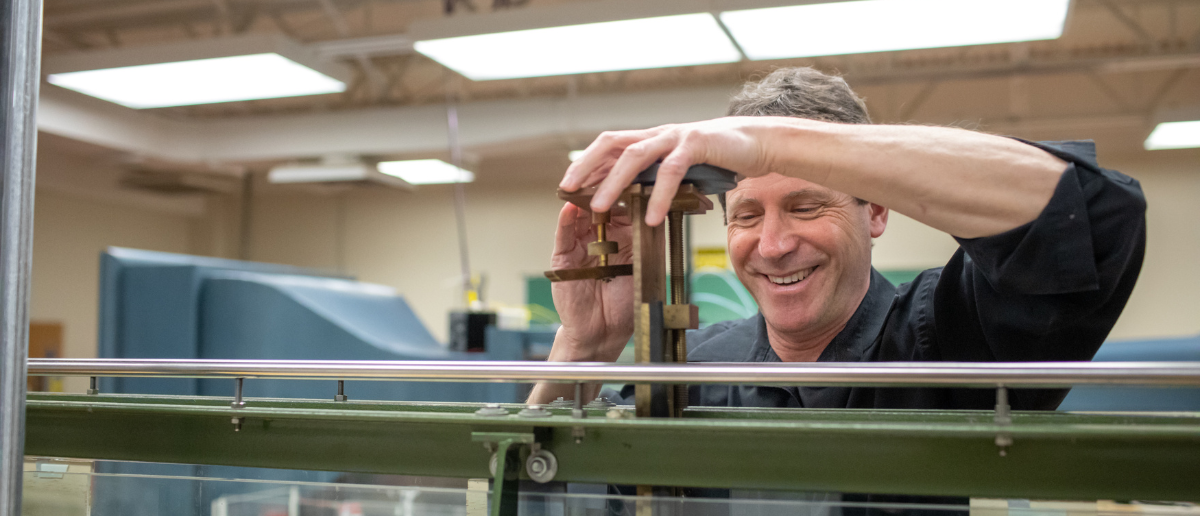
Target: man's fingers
[[564, 235], [670, 173], [599, 157], [583, 224], [636, 158]]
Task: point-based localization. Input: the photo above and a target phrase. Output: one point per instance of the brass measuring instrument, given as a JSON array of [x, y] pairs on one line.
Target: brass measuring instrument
[[660, 321]]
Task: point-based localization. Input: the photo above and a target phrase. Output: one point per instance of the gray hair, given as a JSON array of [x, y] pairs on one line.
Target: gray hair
[[802, 92]]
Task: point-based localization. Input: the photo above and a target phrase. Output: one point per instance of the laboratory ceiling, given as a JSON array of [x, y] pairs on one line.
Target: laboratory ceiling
[[1119, 65]]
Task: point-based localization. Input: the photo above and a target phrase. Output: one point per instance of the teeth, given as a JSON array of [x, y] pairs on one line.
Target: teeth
[[787, 280]]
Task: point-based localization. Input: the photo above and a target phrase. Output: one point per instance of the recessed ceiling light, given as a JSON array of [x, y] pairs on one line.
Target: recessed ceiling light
[[855, 27], [333, 171], [1174, 135], [426, 171], [659, 42], [200, 81], [318, 173]]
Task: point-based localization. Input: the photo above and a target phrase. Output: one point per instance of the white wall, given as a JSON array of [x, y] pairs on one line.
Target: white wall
[[408, 240], [1166, 301], [69, 234]]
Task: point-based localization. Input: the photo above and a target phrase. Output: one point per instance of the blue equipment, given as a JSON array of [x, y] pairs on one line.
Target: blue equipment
[[164, 305]]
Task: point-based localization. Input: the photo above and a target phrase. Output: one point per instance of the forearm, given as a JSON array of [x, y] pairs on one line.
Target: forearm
[[965, 183]]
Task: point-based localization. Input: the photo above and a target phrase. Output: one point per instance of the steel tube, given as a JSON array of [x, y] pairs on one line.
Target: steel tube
[[20, 49], [879, 374]]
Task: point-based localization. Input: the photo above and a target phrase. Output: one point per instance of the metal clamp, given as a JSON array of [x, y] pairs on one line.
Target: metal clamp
[[504, 465]]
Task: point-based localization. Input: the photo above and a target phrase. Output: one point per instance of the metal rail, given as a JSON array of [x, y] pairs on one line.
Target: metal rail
[[880, 374], [20, 54]]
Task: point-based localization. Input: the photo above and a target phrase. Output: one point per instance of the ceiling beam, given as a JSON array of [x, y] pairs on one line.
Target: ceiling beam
[[381, 132]]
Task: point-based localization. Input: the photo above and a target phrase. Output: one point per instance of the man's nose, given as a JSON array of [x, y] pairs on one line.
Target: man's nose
[[776, 239]]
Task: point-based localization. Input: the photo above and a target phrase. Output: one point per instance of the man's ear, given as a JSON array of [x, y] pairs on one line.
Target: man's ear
[[879, 218]]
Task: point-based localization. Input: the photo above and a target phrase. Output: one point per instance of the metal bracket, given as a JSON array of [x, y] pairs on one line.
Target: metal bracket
[[506, 470]]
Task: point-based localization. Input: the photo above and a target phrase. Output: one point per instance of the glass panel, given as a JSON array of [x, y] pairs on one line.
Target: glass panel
[[75, 488]]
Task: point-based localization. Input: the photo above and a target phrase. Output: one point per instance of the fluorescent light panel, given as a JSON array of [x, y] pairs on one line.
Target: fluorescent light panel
[[201, 81], [683, 40], [318, 173], [426, 171], [883, 25], [1174, 135]]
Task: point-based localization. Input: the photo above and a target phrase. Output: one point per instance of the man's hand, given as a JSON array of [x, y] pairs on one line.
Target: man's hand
[[615, 158], [597, 316]]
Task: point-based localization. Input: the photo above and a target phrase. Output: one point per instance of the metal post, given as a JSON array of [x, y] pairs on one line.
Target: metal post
[[20, 52], [238, 403], [678, 297], [341, 395]]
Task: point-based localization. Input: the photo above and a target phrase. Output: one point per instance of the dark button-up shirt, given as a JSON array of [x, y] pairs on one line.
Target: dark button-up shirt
[[1049, 290]]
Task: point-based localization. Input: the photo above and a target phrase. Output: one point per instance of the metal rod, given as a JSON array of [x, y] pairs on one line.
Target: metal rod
[[20, 57], [341, 395], [460, 192], [237, 394], [678, 297], [577, 405], [601, 236], [878, 374], [675, 251]]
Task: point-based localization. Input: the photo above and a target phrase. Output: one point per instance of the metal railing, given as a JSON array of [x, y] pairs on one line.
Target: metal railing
[[877, 374]]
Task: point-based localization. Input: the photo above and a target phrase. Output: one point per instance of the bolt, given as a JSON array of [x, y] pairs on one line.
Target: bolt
[[341, 395], [537, 466]]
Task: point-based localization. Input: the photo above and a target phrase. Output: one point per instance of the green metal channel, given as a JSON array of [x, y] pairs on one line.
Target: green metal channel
[[741, 413], [1054, 456]]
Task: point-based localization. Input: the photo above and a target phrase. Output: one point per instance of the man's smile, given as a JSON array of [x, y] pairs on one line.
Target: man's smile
[[792, 278]]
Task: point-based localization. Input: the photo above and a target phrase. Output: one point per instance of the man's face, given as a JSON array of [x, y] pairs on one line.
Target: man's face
[[803, 251]]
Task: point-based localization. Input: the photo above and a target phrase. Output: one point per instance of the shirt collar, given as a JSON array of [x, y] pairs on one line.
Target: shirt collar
[[852, 343]]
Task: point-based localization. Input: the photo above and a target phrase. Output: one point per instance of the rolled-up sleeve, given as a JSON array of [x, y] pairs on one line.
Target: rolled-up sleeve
[[1051, 289]]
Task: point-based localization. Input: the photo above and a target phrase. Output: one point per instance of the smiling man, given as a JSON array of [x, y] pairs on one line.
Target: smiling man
[[1050, 245]]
